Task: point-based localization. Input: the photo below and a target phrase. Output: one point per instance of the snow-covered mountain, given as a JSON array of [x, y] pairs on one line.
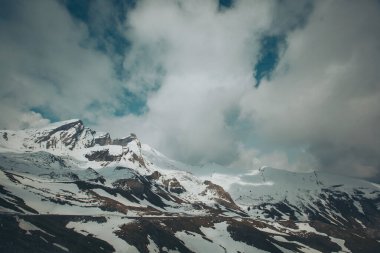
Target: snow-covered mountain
[[68, 188]]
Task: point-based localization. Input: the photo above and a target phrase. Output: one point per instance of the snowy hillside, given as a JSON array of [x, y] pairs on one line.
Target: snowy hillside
[[68, 188]]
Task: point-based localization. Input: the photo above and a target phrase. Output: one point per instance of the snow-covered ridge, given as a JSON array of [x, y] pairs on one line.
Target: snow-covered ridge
[[124, 188], [72, 138], [316, 191], [67, 151], [270, 193], [73, 148], [64, 135]]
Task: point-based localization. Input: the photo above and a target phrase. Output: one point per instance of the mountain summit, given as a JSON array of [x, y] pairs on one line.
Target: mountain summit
[[70, 134], [68, 188]]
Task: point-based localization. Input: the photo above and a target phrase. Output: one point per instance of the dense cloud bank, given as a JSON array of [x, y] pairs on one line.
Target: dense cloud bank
[[181, 75]]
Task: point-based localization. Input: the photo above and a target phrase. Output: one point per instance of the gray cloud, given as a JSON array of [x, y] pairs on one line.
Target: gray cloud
[[325, 93], [48, 61], [290, 15], [207, 57], [193, 64]]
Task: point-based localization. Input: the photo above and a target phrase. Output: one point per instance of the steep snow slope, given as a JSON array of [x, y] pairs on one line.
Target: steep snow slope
[[279, 194], [68, 181], [274, 194], [68, 153]]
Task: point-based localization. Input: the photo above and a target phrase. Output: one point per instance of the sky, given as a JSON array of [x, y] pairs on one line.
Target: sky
[[239, 83]]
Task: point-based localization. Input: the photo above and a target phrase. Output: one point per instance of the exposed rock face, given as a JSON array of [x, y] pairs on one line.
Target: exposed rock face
[[139, 159], [170, 234], [126, 140], [154, 176], [95, 176], [76, 125], [140, 187], [140, 232], [218, 190], [133, 185], [72, 135], [102, 155], [103, 140], [163, 208], [57, 237], [172, 185], [67, 135], [221, 196]]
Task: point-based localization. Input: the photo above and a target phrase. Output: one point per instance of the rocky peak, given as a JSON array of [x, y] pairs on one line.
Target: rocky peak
[[72, 135], [45, 133], [221, 196], [154, 176], [124, 141], [64, 134], [103, 139]]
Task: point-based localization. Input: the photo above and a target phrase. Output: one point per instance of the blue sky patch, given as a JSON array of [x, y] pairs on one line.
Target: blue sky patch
[[268, 58], [104, 32], [45, 113], [132, 104], [225, 4]]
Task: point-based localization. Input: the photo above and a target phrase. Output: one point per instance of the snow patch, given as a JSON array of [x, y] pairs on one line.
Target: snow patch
[[61, 247], [27, 226]]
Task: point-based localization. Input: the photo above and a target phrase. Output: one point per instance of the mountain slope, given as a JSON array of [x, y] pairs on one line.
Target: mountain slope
[[68, 188]]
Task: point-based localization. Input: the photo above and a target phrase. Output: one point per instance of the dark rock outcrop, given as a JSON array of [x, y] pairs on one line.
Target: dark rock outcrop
[[103, 139], [68, 138], [102, 156], [172, 185], [222, 197], [126, 140], [154, 176]]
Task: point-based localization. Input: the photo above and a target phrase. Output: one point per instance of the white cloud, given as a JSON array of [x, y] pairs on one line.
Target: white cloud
[[326, 91], [319, 110], [323, 95], [48, 60], [13, 118], [32, 120], [208, 58]]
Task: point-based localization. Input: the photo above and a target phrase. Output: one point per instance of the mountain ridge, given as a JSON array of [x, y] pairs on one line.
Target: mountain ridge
[[84, 186]]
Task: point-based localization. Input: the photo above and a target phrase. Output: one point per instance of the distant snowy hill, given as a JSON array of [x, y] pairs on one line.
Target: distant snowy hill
[[68, 188]]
